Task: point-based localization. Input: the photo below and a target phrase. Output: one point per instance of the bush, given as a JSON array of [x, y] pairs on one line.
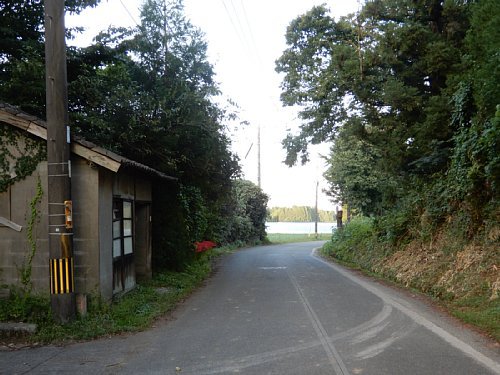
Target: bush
[[172, 247], [24, 307], [246, 218], [183, 216], [354, 239]]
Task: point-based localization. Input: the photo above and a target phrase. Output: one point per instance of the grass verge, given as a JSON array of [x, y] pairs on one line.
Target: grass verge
[[279, 238], [482, 313]]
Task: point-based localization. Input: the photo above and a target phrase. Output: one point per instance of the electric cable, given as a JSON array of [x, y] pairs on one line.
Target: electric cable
[[237, 31], [254, 45], [128, 12]]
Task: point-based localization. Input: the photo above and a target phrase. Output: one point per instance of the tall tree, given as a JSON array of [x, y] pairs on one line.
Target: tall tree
[[381, 76], [152, 100], [22, 57], [155, 97]]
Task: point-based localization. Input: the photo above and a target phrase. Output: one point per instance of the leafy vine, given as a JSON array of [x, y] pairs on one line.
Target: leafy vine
[[30, 230], [19, 155]]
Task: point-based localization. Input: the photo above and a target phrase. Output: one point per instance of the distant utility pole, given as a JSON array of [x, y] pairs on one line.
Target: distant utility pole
[[60, 227], [258, 156], [316, 212], [339, 215]]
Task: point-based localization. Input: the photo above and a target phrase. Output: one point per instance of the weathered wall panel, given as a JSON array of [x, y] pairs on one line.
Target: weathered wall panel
[[93, 190], [142, 189], [124, 186], [85, 196], [105, 220], [14, 245]]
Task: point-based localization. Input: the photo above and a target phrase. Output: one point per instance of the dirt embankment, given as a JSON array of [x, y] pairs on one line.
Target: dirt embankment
[[466, 279], [470, 272]]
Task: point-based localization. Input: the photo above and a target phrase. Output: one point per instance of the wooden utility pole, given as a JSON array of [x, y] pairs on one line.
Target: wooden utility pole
[[60, 227], [339, 217], [258, 156], [316, 212]]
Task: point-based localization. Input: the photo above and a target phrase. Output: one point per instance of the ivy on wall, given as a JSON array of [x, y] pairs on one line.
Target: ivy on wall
[[33, 219], [19, 155]]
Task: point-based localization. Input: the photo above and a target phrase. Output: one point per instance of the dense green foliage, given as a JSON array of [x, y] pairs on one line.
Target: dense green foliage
[[349, 244], [301, 214], [247, 221], [22, 69], [146, 93], [182, 217], [19, 156], [407, 92]]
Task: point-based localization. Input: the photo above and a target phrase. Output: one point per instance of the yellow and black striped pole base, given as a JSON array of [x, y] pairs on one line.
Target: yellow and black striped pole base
[[62, 276]]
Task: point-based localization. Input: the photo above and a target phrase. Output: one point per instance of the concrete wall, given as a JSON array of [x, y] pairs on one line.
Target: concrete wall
[[85, 196], [92, 230], [14, 245], [93, 190]]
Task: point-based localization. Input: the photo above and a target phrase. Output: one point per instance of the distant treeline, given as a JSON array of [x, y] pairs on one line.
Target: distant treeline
[[298, 214]]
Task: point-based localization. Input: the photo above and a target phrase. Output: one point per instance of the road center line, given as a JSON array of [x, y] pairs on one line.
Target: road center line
[[417, 318], [333, 356]]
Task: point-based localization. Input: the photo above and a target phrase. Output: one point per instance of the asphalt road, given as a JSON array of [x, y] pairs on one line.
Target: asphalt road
[[280, 310]]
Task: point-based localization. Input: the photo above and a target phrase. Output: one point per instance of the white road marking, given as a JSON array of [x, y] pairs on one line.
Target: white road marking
[[369, 334], [373, 322], [241, 363], [333, 356], [419, 319], [379, 347]]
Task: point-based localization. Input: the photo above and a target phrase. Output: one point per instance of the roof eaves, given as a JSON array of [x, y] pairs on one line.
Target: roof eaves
[[79, 146], [127, 163]]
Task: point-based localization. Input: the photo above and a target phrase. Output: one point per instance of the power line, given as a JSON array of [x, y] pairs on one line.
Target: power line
[[241, 31], [128, 12], [237, 18], [240, 25], [237, 31], [256, 50]]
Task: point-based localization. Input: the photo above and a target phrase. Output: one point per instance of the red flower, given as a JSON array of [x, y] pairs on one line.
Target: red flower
[[204, 246]]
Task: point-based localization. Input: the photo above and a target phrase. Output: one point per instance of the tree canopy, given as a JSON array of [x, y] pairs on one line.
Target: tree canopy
[[400, 89], [22, 68], [302, 214]]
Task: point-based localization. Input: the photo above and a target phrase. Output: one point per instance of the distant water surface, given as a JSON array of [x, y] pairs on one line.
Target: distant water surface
[[302, 228]]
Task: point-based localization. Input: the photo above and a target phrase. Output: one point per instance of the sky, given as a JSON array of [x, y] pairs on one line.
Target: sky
[[245, 38]]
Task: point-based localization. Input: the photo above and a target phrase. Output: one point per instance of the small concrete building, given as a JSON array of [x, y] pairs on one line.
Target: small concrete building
[[112, 198]]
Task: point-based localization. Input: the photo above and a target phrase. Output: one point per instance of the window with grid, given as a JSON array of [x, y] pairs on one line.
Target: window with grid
[[122, 228]]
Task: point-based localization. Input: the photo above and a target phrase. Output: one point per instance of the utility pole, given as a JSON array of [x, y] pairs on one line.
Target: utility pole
[[316, 212], [339, 217], [258, 156], [60, 228]]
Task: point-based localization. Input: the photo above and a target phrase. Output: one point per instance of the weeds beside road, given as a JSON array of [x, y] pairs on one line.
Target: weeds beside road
[[131, 312]]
